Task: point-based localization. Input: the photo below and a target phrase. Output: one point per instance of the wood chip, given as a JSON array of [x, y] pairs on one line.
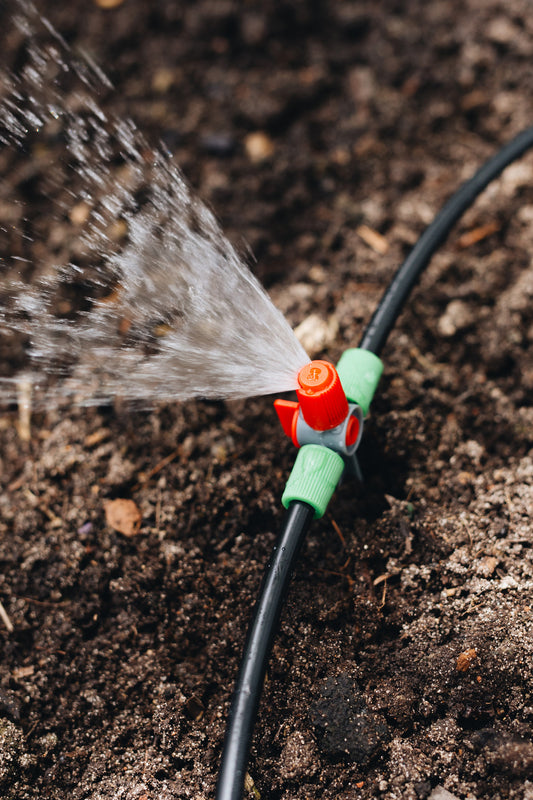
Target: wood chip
[[465, 660], [97, 437], [373, 239], [144, 477], [123, 516], [23, 672], [477, 234]]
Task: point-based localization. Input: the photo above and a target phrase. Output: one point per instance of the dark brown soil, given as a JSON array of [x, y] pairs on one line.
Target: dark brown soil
[[405, 659]]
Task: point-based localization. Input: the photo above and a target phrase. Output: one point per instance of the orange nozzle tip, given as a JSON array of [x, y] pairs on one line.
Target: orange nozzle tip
[[316, 376], [287, 411], [322, 399]]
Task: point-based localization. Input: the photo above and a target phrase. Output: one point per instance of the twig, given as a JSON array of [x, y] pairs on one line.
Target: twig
[[162, 464], [343, 542], [339, 534], [373, 239], [477, 234], [5, 618]]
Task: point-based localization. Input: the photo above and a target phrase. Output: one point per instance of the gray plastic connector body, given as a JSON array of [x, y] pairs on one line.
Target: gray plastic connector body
[[335, 438]]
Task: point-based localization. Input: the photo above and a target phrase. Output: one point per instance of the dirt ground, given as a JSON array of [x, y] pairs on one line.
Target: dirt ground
[[404, 666]]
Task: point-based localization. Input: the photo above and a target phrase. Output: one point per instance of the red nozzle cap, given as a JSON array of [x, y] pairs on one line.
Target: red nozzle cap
[[287, 411], [322, 399]]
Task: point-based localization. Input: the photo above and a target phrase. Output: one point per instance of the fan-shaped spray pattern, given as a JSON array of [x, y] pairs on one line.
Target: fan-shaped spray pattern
[[145, 297]]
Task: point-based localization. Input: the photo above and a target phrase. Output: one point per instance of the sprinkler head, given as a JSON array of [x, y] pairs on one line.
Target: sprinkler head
[[327, 424], [322, 399], [323, 414]]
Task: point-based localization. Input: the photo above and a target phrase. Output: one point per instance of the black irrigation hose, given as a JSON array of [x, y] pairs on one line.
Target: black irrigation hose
[[257, 649], [267, 611], [395, 296]]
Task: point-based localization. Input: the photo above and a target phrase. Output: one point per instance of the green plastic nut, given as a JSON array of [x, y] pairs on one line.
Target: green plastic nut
[[359, 371], [314, 477]]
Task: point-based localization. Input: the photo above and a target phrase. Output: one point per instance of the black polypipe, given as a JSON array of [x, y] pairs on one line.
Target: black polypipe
[[435, 234], [263, 627]]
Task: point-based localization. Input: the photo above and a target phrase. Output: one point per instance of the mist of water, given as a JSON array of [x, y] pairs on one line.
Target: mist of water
[[150, 302]]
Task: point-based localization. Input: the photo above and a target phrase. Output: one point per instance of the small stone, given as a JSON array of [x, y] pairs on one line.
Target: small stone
[[162, 80], [79, 214], [316, 334], [486, 566], [465, 478], [85, 529], [317, 273], [440, 793], [48, 742], [120, 470], [108, 3], [123, 516], [118, 230], [465, 660], [259, 146], [457, 317], [501, 30]]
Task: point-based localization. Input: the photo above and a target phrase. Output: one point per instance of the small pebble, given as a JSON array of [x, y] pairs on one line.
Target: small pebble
[[162, 80], [316, 334], [258, 146], [123, 516], [457, 317], [440, 793], [501, 30], [79, 214], [465, 660], [85, 529], [486, 566], [108, 3], [118, 230]]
